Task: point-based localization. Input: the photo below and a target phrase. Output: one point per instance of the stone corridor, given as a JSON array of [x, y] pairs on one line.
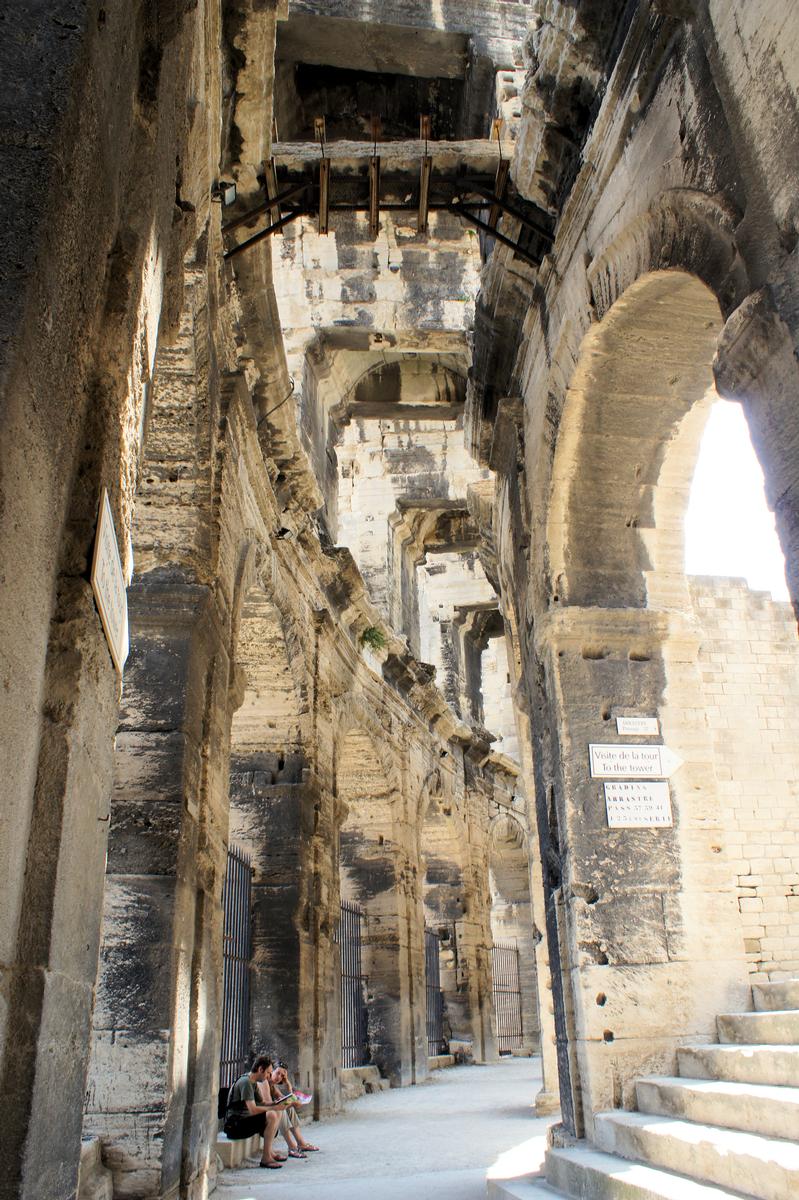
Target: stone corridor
[[441, 1141], [355, 704]]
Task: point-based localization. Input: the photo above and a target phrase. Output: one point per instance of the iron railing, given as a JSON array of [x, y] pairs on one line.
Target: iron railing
[[354, 1023], [237, 908], [436, 1043], [507, 996]]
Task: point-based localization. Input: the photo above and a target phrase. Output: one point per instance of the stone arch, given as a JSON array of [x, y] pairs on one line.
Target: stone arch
[[269, 656], [640, 373], [512, 915], [683, 229], [613, 639], [445, 900], [372, 874], [271, 806]]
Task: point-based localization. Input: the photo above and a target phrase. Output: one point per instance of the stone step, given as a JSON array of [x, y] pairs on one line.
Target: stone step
[[588, 1174], [760, 1028], [776, 997], [234, 1152], [776, 1065], [520, 1189], [766, 1168], [753, 1108]]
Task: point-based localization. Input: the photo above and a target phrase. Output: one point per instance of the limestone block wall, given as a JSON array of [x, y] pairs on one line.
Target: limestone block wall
[[444, 581], [381, 461], [749, 659], [404, 281], [498, 715]]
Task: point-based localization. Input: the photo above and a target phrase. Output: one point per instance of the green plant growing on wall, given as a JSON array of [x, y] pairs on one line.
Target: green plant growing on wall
[[373, 637]]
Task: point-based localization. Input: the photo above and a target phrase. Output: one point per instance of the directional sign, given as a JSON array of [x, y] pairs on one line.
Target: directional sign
[[641, 726], [638, 805], [632, 762]]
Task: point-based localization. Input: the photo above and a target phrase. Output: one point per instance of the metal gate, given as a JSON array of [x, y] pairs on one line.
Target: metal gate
[[354, 1026], [435, 997], [507, 996], [237, 908]]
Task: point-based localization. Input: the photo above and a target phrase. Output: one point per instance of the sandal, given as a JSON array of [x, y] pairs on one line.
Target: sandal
[[308, 1147], [271, 1166], [297, 1154]]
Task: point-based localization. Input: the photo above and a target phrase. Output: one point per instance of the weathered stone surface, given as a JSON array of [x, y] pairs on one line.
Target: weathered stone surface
[[402, 514]]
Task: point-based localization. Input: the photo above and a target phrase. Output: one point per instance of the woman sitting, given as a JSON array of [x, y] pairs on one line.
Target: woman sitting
[[274, 1088]]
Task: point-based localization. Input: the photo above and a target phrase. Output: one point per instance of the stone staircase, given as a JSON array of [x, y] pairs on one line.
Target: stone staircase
[[726, 1127]]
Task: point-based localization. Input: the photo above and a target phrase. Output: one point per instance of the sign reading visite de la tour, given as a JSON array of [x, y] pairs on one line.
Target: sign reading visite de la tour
[[632, 762], [108, 584]]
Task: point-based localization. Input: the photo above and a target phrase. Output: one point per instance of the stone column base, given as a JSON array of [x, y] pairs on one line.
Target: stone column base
[[546, 1103]]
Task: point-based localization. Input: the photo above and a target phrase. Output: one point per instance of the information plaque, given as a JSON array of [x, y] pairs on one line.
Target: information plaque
[[639, 726], [637, 805], [108, 584]]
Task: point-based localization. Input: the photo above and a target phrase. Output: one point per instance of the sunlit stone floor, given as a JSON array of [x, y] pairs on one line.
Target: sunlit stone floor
[[438, 1141]]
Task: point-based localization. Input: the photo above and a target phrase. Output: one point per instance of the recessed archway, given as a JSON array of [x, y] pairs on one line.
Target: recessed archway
[[370, 867], [269, 819], [512, 926]]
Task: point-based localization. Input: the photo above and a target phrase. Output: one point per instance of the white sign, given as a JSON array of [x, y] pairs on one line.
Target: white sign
[[632, 762], [637, 805], [108, 584], [637, 725]]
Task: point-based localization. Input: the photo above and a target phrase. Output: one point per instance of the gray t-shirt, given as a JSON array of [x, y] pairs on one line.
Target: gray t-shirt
[[242, 1091]]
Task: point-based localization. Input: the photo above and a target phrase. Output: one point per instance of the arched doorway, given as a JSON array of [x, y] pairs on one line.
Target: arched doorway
[[514, 937], [269, 819], [616, 641], [371, 876]]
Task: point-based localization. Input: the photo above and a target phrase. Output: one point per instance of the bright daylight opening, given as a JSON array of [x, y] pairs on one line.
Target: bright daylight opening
[[729, 529]]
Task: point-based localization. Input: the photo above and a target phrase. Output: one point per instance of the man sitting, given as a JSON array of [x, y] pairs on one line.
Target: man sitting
[[247, 1113]]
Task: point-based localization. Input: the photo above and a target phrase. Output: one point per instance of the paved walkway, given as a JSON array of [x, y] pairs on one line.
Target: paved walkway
[[437, 1141]]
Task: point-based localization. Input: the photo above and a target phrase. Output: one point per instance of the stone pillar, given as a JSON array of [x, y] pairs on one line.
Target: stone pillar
[[154, 1070], [756, 365], [474, 930], [547, 1100], [646, 970], [51, 925]]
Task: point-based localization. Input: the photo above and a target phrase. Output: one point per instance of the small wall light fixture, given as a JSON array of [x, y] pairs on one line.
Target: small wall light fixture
[[224, 192]]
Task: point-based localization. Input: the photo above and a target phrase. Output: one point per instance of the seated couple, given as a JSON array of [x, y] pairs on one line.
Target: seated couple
[[256, 1104]]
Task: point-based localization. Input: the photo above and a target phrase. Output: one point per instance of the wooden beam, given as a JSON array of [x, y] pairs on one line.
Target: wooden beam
[[474, 185], [460, 211], [265, 233], [425, 172], [324, 195], [290, 193], [500, 186], [374, 196], [272, 189], [324, 176]]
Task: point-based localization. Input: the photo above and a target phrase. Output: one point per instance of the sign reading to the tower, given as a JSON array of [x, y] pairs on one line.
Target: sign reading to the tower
[[636, 805], [108, 584], [632, 762], [639, 726]]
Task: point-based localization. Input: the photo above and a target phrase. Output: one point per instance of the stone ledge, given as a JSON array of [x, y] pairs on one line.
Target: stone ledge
[[94, 1179], [233, 1153], [357, 1081], [438, 1062]]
